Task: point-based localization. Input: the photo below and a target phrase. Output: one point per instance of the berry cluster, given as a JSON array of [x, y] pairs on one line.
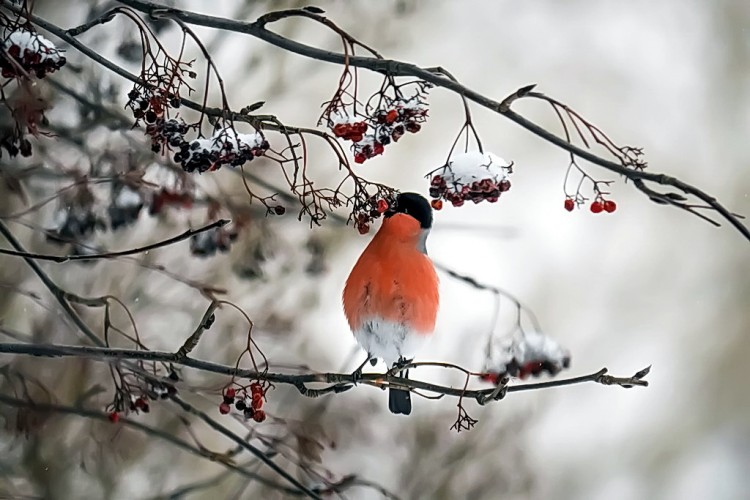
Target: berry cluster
[[249, 404], [597, 206], [150, 104], [225, 147], [472, 176], [125, 207], [167, 133], [140, 403], [389, 125], [608, 206], [209, 242], [15, 144], [28, 53], [348, 129], [531, 353], [375, 208], [385, 122]]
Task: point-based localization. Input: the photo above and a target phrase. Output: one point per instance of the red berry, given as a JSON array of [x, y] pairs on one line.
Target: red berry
[[492, 199], [257, 401], [360, 127], [359, 158], [114, 417], [437, 204], [596, 207], [492, 377], [504, 185], [413, 127], [224, 408], [363, 228], [355, 137], [610, 206], [140, 403], [259, 415], [339, 130], [377, 149], [391, 116], [457, 202], [255, 388], [437, 180], [230, 393], [569, 204], [382, 206]]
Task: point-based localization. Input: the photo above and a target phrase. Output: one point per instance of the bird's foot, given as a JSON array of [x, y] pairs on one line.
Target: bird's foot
[[357, 374], [402, 362]]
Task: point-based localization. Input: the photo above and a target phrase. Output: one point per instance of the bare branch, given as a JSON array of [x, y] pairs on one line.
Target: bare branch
[[111, 255], [341, 380]]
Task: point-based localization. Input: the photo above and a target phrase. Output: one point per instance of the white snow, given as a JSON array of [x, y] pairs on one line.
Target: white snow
[[525, 347], [467, 168], [34, 42], [127, 197]]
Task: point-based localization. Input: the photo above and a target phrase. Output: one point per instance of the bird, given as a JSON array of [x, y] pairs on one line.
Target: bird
[[391, 296]]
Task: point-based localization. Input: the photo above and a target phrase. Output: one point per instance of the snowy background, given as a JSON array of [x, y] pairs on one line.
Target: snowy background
[[645, 285]]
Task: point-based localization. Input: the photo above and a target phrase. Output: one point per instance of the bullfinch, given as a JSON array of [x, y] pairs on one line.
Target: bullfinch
[[391, 296]]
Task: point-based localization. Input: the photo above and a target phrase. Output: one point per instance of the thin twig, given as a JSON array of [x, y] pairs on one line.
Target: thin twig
[[111, 255], [206, 321], [337, 379]]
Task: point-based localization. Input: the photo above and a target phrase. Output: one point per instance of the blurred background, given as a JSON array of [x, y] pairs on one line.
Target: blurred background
[[646, 285]]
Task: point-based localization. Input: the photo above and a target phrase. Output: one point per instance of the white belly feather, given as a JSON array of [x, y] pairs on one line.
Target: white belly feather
[[388, 340]]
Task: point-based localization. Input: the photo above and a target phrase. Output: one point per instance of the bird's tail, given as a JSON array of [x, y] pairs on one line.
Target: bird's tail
[[399, 400]]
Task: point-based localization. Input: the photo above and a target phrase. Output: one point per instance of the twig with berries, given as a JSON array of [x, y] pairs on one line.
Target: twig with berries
[[399, 68], [168, 437]]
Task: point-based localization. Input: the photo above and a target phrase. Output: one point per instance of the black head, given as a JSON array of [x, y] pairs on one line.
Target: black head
[[415, 205]]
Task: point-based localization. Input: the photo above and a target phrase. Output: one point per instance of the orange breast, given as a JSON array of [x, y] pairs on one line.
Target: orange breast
[[393, 280]]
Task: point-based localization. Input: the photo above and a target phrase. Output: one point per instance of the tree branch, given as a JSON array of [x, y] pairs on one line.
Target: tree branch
[[169, 437], [110, 255], [392, 67], [380, 380]]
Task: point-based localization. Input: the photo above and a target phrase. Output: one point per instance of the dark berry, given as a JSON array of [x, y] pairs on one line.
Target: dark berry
[[569, 204], [25, 148]]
